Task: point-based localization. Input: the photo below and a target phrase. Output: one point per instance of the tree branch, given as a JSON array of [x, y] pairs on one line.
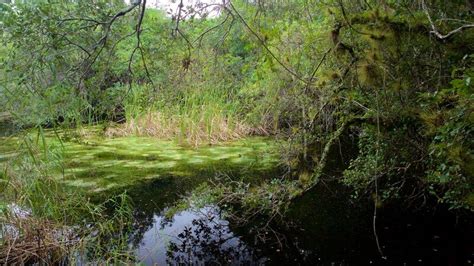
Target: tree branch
[[262, 42], [435, 31]]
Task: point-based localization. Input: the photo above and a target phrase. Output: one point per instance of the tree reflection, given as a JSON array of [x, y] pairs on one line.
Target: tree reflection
[[210, 241]]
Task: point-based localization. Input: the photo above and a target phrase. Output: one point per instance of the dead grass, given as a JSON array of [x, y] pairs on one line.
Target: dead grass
[[27, 240], [192, 131]]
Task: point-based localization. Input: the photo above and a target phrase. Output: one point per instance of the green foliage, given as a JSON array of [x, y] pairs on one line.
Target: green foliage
[[297, 69], [48, 70], [449, 125], [415, 137]]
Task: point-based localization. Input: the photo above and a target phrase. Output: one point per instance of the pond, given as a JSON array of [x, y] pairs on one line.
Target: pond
[[325, 226]]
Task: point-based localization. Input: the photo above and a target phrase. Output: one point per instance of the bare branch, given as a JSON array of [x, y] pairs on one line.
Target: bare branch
[[435, 31], [199, 38], [139, 42]]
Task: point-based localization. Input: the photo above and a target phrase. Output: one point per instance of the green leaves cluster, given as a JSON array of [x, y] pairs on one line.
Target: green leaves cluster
[[449, 124], [299, 69]]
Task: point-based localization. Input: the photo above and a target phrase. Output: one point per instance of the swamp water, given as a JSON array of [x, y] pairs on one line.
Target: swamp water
[[325, 226]]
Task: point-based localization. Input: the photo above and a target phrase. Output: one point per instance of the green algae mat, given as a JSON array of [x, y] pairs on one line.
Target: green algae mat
[[99, 164]]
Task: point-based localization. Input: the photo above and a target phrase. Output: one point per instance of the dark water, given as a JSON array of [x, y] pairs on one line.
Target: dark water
[[324, 227]]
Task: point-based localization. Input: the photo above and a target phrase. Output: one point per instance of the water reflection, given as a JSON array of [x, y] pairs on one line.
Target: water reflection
[[194, 237], [323, 228]]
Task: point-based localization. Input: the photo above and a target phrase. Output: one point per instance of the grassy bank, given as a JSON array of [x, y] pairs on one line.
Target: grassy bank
[[63, 193]]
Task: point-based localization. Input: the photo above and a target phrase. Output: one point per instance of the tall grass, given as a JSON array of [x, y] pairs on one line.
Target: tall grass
[[43, 222], [191, 116]]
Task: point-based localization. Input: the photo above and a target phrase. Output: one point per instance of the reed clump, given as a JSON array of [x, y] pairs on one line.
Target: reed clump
[[194, 130], [43, 222]]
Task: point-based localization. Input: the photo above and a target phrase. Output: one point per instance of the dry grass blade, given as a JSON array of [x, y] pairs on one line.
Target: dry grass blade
[[31, 240], [216, 130]]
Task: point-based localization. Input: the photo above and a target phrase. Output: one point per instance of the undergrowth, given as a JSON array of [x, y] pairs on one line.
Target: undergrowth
[[43, 222]]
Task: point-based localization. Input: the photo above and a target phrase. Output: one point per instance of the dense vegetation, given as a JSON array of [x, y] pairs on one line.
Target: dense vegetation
[[386, 86]]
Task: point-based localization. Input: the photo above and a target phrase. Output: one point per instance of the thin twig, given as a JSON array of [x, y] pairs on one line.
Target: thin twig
[[262, 42], [435, 31]]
